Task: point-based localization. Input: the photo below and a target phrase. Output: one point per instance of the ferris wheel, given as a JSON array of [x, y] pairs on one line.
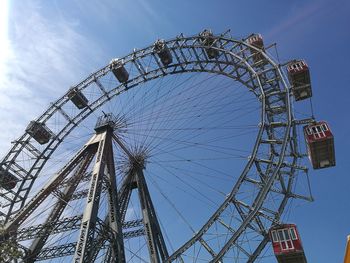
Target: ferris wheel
[[188, 150]]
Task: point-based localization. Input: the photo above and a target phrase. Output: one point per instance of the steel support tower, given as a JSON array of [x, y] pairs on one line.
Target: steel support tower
[[95, 233]]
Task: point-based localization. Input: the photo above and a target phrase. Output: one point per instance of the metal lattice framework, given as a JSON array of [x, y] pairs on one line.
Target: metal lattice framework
[[274, 159]]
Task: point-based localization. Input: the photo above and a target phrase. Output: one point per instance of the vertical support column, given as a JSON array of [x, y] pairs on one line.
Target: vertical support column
[[124, 194], [115, 223], [155, 240], [87, 230]]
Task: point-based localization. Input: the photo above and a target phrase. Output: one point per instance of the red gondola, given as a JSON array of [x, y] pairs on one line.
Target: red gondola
[[286, 244], [257, 41], [299, 77], [320, 144]]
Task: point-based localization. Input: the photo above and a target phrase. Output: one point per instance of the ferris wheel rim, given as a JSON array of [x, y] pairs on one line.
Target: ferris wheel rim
[[148, 52]]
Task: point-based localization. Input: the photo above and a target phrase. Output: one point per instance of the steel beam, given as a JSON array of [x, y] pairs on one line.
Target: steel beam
[[115, 223], [87, 229], [26, 211], [69, 249], [65, 225], [155, 240], [58, 209]]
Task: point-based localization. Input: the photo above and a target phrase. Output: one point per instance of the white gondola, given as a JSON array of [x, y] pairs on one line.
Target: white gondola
[[163, 52], [119, 71], [208, 40], [39, 132], [77, 98]]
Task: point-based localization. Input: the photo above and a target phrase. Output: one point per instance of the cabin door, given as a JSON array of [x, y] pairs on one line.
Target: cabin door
[[285, 239]]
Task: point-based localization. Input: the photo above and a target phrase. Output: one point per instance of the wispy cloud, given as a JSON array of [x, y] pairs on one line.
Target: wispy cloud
[[44, 57], [297, 18], [152, 17]]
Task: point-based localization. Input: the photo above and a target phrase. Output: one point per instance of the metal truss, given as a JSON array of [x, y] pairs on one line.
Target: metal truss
[[69, 224], [275, 174], [95, 234]]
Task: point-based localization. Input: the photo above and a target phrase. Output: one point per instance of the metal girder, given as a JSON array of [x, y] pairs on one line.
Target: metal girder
[[104, 235], [132, 223], [262, 212], [79, 195], [125, 194], [232, 231], [69, 249], [101, 87], [181, 47], [155, 240], [59, 251], [108, 257], [63, 225], [59, 207], [134, 233], [115, 222], [123, 199], [126, 235], [284, 164], [262, 184], [243, 215], [285, 130], [89, 220], [86, 177], [26, 211], [181, 44], [208, 248]]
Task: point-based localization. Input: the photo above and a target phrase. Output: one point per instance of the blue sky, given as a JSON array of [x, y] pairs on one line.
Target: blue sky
[[46, 46]]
